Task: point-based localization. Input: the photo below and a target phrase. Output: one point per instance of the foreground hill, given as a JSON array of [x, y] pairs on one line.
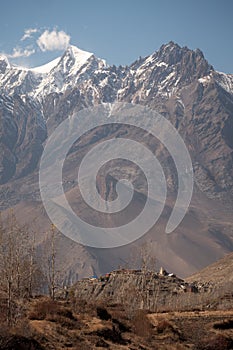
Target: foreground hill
[[124, 309], [78, 324]]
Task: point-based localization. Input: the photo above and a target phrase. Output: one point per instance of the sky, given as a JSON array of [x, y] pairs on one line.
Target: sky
[[34, 32]]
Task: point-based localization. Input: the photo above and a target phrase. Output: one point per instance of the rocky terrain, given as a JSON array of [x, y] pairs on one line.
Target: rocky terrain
[[125, 309], [136, 289], [219, 273], [177, 82], [146, 290]]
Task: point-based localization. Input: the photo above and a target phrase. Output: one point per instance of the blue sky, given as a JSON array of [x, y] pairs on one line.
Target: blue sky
[[118, 31]]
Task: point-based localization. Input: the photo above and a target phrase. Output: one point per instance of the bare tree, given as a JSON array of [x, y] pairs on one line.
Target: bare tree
[[147, 257], [34, 276], [143, 257], [12, 252], [51, 268], [17, 261]]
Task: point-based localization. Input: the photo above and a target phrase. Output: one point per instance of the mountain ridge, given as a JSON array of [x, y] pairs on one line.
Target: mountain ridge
[[220, 272], [168, 55]]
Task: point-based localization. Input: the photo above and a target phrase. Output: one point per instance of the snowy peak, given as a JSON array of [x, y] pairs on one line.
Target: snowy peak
[[225, 81], [186, 60], [77, 54], [169, 52], [172, 53], [73, 59], [167, 70], [46, 68], [4, 64], [65, 73]]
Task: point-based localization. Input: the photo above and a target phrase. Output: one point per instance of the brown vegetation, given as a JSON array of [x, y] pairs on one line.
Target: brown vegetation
[[138, 309], [74, 324]]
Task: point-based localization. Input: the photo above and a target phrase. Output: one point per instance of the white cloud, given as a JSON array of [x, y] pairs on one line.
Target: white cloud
[[19, 52], [47, 40], [53, 40], [28, 33]]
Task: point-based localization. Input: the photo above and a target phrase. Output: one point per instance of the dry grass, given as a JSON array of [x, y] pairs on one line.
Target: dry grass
[[71, 325]]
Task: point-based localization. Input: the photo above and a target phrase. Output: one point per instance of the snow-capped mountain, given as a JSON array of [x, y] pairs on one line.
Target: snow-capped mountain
[[70, 70], [176, 81], [161, 73], [56, 76]]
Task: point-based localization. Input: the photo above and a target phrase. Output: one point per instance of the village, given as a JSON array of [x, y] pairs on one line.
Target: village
[[195, 287], [144, 289]]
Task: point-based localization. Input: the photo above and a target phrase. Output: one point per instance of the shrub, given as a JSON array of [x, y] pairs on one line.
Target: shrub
[[224, 325], [141, 324], [122, 327], [66, 313], [10, 342], [103, 314], [163, 326], [43, 309], [111, 334], [63, 321], [102, 344], [81, 306], [216, 342]]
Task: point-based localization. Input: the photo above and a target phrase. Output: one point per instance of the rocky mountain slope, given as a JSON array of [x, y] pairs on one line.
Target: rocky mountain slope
[[219, 272], [177, 82]]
